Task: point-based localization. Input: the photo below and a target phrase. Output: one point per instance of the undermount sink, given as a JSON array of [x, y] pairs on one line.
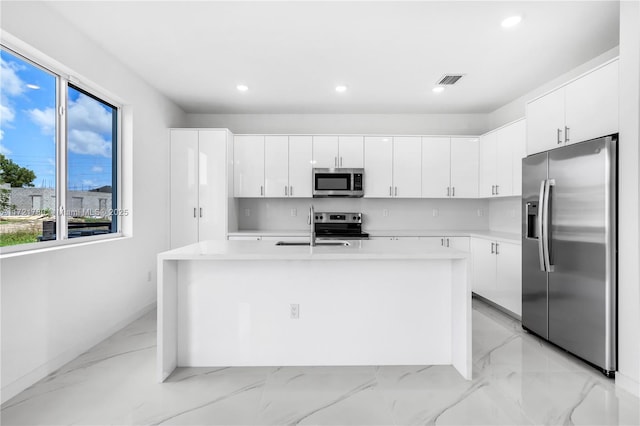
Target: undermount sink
[[318, 243]]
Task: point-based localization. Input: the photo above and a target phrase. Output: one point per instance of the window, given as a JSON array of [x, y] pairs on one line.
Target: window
[[58, 157]]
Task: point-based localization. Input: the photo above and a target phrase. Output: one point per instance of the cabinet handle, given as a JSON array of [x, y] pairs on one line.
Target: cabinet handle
[[261, 190], [453, 191], [396, 194], [493, 190], [447, 242], [493, 250], [340, 161], [291, 191], [448, 191], [559, 138], [286, 191], [497, 189], [200, 211], [194, 212], [497, 251], [390, 191], [442, 242], [335, 161], [566, 134]]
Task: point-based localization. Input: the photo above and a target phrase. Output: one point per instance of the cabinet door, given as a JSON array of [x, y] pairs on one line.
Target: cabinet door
[[545, 122], [325, 151], [509, 277], [212, 171], [276, 166], [464, 167], [504, 161], [351, 152], [436, 158], [459, 243], [378, 161], [433, 242], [484, 268], [300, 165], [407, 167], [518, 136], [487, 167], [184, 187], [248, 170], [592, 105]]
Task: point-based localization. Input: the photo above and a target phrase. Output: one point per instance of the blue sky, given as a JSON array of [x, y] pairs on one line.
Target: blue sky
[[27, 127]]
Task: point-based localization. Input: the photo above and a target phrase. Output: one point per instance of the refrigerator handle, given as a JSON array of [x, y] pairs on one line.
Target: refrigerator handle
[[546, 237], [539, 222]]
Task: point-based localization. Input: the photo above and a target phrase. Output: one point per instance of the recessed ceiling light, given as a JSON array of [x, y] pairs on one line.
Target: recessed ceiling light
[[511, 21], [341, 89], [438, 89], [33, 86], [242, 87]]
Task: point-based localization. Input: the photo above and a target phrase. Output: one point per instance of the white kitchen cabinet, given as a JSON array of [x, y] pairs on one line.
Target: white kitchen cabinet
[[287, 166], [436, 167], [464, 167], [393, 167], [583, 109], [276, 166], [338, 151], [501, 153], [249, 166], [458, 243], [497, 273], [300, 166], [199, 185]]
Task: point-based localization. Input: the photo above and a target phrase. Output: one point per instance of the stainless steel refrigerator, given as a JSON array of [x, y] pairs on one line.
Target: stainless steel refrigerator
[[569, 249]]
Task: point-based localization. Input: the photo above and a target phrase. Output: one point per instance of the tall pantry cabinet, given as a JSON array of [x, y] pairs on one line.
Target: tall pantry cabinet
[[201, 191]]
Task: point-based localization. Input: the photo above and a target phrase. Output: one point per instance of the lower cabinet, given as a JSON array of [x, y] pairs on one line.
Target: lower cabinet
[[496, 273]]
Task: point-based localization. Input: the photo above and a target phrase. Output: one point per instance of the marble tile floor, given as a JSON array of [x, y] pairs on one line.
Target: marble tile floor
[[517, 380]]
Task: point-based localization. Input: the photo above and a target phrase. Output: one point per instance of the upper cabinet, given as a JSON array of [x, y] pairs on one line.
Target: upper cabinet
[[273, 166], [392, 167], [583, 109], [501, 153], [338, 151], [449, 167]]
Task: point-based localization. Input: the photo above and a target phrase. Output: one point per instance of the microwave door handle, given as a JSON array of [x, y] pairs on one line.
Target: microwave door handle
[[539, 224]]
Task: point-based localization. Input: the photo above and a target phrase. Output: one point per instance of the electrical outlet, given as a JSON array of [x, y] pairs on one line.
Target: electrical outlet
[[435, 212], [247, 212], [480, 213], [512, 213], [294, 311], [385, 212], [294, 212]]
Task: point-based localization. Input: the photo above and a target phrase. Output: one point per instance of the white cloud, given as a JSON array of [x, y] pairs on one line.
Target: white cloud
[[86, 113], [7, 113], [97, 169], [11, 85], [88, 142], [45, 118]]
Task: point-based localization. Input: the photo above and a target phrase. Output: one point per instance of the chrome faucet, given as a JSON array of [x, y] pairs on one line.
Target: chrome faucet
[[312, 227]]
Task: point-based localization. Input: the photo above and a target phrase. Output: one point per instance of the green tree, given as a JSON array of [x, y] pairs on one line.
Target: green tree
[[4, 198], [15, 175]]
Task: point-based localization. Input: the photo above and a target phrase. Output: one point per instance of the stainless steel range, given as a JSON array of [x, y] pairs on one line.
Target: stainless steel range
[[339, 225]]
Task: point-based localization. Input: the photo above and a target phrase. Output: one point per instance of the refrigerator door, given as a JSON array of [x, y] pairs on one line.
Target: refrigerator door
[[534, 277], [582, 250]]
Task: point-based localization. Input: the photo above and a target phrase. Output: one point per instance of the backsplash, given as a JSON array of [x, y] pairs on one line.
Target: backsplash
[[505, 214], [278, 214]]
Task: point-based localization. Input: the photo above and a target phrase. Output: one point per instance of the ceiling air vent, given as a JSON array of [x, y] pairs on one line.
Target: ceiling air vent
[[449, 79]]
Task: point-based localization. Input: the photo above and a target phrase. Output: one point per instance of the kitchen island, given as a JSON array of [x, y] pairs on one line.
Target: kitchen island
[[253, 303]]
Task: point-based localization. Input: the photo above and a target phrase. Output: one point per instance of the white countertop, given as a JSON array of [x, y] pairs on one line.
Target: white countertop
[[267, 250], [494, 235]]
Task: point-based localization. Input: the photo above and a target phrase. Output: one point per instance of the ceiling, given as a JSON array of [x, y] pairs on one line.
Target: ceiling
[[390, 55]]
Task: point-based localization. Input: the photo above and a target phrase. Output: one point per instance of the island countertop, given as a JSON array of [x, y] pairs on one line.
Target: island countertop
[[356, 250]]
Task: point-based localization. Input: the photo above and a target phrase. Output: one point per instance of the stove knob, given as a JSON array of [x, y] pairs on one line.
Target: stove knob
[[355, 218]]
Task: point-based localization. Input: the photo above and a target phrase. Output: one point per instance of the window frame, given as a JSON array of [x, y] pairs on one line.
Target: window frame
[[65, 78]]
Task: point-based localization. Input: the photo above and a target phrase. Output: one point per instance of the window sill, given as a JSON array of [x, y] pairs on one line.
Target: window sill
[[44, 247]]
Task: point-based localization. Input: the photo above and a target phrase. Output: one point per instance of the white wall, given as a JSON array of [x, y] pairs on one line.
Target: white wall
[[629, 200], [516, 108], [395, 124], [58, 303], [505, 214], [402, 214]]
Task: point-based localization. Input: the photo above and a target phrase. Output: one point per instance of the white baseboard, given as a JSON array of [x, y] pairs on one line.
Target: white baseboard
[[628, 384], [14, 388]]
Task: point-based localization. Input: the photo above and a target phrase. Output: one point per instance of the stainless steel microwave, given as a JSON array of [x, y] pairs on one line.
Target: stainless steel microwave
[[338, 182]]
